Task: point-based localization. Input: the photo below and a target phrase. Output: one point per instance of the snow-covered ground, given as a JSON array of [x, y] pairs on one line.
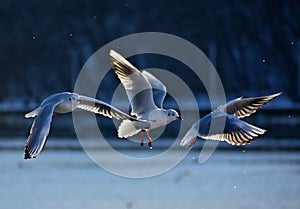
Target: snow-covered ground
[[69, 179]]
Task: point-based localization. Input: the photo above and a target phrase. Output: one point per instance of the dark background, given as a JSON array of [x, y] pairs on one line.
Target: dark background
[[44, 44]]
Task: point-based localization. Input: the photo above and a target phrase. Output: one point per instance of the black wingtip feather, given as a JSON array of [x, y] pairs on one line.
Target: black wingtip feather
[[27, 155]]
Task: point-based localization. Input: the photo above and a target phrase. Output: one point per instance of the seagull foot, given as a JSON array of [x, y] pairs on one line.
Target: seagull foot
[[193, 141], [149, 140], [142, 139], [150, 145]]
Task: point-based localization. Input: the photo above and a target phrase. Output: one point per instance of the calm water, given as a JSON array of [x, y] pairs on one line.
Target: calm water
[[69, 179]]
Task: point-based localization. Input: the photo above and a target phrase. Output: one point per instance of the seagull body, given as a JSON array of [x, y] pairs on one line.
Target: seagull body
[[146, 95], [62, 103], [236, 131]]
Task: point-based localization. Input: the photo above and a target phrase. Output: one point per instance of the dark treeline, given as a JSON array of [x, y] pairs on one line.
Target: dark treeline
[[44, 44]]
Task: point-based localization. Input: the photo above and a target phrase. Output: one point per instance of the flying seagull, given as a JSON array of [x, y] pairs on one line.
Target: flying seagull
[[63, 103], [146, 102], [236, 131]]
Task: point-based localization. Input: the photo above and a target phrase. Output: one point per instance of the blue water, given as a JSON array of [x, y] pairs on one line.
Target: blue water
[[69, 179]]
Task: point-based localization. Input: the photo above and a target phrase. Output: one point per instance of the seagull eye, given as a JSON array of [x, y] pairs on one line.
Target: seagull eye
[[70, 99], [169, 114], [173, 114]]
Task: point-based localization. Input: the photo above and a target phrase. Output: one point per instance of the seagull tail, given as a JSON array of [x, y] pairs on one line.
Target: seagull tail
[[33, 113], [126, 129]]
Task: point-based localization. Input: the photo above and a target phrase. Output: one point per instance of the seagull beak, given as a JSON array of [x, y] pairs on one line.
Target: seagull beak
[[179, 118]]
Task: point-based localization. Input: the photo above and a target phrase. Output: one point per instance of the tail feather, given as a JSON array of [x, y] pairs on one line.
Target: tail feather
[[126, 129]]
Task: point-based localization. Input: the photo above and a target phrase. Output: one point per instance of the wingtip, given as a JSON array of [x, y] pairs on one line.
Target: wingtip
[[32, 113], [112, 52], [115, 55], [271, 97], [276, 94], [27, 155], [258, 131]]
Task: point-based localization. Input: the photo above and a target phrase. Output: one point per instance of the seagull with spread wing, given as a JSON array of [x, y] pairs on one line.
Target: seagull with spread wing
[[146, 95], [236, 131], [63, 103]]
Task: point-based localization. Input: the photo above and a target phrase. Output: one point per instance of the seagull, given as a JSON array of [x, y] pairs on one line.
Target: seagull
[[236, 131], [63, 103], [146, 95]]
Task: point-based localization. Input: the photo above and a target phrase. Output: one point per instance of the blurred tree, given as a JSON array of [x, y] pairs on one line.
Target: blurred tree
[[45, 44]]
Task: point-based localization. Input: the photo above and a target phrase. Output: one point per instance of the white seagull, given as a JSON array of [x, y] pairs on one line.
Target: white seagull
[[140, 87], [62, 103], [236, 131]]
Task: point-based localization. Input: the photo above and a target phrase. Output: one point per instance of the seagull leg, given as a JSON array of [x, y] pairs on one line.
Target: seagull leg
[[149, 140], [193, 141], [142, 138]]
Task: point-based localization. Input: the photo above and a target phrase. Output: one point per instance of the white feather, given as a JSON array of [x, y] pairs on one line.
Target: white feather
[[126, 129]]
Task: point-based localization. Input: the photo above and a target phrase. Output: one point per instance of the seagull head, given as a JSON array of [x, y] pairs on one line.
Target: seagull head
[[173, 115], [73, 100]]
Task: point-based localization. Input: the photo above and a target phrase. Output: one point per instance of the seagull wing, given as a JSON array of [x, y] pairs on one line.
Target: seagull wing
[[33, 113], [99, 107], [243, 107], [39, 130], [236, 131], [159, 90], [138, 88]]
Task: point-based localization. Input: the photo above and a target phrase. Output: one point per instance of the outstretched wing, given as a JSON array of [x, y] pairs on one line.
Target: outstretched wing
[[236, 131], [243, 107], [99, 107], [159, 90], [39, 131], [138, 88]]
